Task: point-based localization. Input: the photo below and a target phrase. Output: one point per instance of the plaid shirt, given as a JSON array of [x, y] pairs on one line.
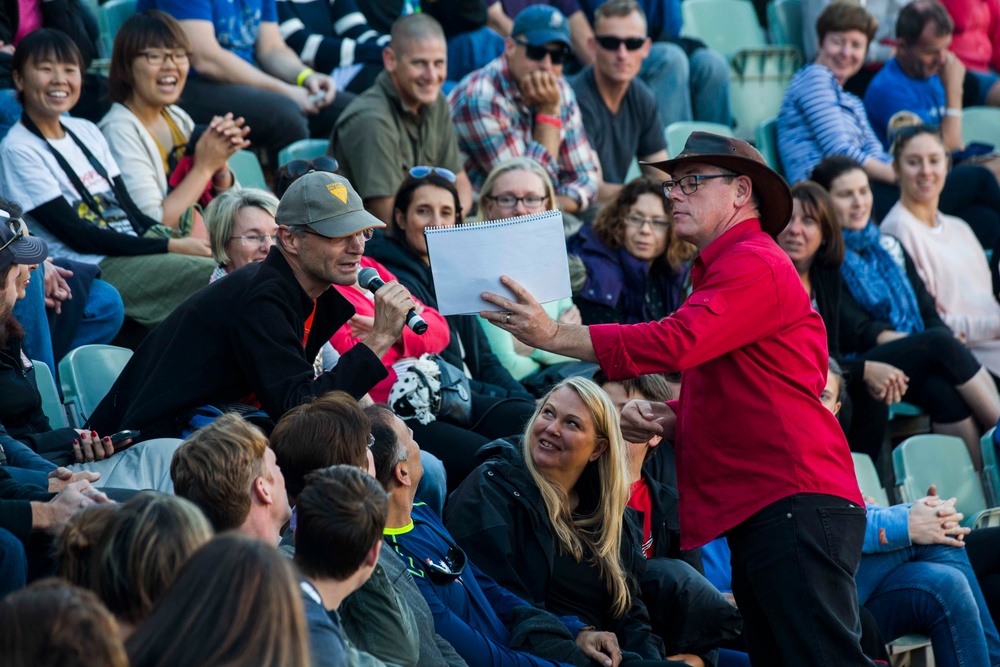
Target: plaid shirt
[[494, 124]]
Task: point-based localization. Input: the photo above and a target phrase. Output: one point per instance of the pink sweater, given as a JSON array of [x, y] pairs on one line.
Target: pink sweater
[[434, 340]]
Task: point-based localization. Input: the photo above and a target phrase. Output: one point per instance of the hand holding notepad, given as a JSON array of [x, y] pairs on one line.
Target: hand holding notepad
[[468, 260]]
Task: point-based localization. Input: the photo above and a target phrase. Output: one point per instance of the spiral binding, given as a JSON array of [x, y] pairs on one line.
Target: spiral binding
[[487, 224]]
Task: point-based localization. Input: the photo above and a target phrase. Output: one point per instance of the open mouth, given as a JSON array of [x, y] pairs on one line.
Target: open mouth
[[548, 446], [58, 94]]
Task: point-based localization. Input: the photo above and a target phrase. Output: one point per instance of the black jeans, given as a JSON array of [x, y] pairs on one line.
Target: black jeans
[[793, 577]]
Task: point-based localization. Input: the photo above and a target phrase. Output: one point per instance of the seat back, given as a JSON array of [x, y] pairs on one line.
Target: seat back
[[784, 23], [944, 461], [726, 26], [677, 133], [868, 480], [52, 405], [247, 169], [86, 375], [991, 472], [981, 124], [110, 17], [767, 143], [303, 149]]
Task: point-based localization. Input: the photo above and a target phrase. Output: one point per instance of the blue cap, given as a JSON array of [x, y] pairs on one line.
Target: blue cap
[[541, 24]]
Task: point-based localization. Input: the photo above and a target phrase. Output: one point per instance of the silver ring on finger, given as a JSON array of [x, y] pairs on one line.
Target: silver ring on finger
[[506, 318]]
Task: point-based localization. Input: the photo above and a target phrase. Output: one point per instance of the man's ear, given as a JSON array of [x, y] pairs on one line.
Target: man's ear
[[401, 475], [389, 59], [261, 491], [371, 559]]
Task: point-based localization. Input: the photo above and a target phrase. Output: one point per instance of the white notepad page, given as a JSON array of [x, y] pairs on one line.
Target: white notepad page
[[468, 260]]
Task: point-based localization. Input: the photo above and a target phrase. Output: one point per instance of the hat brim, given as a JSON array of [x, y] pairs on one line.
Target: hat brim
[[27, 250], [346, 224], [772, 190], [543, 37]]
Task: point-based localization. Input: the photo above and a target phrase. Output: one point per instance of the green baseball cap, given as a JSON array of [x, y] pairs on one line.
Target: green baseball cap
[[326, 203]]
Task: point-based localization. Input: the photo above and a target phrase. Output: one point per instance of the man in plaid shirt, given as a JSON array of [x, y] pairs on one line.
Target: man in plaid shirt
[[520, 105]]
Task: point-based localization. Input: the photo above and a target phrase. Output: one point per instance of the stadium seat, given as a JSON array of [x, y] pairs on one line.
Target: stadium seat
[[868, 480], [784, 23], [981, 124], [943, 460], [247, 169], [904, 409], [759, 72], [110, 17], [86, 375], [634, 171], [991, 473], [767, 143], [677, 133], [52, 405], [303, 149]]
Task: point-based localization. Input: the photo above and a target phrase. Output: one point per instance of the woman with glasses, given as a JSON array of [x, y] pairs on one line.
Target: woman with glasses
[[544, 517], [500, 404], [886, 314], [520, 186], [168, 174], [241, 228], [636, 267], [63, 173], [944, 248]]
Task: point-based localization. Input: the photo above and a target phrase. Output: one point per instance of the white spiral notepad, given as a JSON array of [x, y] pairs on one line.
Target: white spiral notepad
[[468, 260]]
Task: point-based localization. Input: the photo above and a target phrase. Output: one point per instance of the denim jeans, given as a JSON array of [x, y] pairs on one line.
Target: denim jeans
[[102, 317], [433, 486], [793, 578], [13, 563], [688, 89], [931, 590]]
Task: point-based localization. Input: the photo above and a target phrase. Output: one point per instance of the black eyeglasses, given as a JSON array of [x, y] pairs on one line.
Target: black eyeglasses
[[557, 55], [910, 131], [297, 168], [423, 171], [531, 202], [366, 234], [445, 571], [690, 184], [609, 43], [17, 229]]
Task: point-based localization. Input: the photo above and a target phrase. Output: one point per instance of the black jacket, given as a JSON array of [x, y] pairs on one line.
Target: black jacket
[[21, 409], [240, 335], [498, 516], [15, 505], [468, 341]]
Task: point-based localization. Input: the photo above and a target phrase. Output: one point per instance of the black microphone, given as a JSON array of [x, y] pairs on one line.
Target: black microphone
[[369, 280]]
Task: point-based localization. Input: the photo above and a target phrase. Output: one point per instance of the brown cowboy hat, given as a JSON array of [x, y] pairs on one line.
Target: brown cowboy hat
[[738, 156]]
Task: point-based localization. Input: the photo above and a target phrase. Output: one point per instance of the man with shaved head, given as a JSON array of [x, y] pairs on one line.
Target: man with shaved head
[[402, 121]]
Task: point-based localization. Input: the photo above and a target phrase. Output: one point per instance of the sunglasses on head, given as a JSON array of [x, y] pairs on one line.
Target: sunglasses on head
[[609, 43], [17, 229], [298, 168], [557, 55], [908, 131], [445, 571], [425, 171]]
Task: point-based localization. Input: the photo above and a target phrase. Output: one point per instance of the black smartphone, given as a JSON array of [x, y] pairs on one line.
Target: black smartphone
[[122, 436]]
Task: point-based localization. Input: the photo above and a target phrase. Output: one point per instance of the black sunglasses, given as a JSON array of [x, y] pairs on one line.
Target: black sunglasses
[[298, 168], [17, 229], [558, 55], [609, 43], [909, 131]]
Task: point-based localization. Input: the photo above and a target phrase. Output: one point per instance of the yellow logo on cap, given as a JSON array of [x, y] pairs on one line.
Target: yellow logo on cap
[[338, 190]]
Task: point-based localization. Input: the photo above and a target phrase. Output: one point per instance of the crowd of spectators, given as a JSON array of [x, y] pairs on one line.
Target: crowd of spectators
[[292, 487]]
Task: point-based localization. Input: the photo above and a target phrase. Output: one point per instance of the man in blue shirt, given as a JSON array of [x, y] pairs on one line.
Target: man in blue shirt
[[924, 77]]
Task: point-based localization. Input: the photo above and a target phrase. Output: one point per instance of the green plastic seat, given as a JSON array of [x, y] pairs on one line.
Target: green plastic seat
[[868, 479], [86, 375], [904, 409], [784, 23], [110, 17], [944, 461], [981, 124], [52, 405], [726, 26], [303, 149], [678, 133], [767, 143], [634, 171], [247, 169]]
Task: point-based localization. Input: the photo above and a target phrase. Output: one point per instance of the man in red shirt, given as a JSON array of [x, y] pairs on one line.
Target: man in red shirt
[[759, 458]]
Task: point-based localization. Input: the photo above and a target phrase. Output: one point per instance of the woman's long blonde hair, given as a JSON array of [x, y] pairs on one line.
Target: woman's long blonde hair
[[597, 536]]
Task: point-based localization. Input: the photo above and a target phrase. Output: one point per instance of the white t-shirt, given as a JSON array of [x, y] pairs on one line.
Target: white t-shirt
[[31, 176]]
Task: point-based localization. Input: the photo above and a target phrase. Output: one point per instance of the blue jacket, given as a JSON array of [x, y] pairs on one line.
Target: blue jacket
[[616, 280]]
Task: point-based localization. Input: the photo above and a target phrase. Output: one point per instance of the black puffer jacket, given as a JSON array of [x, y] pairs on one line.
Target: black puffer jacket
[[497, 515]]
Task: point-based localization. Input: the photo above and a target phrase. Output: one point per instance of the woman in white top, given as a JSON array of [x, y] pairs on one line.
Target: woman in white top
[[148, 131], [944, 248]]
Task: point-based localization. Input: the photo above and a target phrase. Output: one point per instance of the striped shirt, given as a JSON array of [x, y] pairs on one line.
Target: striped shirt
[[329, 33], [819, 119], [493, 124]]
